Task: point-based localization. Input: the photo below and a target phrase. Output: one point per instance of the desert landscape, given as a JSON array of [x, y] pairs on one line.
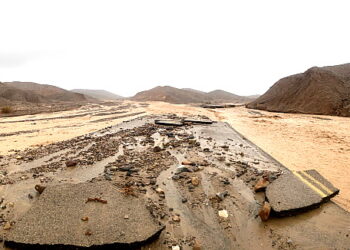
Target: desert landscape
[[119, 141], [174, 125]]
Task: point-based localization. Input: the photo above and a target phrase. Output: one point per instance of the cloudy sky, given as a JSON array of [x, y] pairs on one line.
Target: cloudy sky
[[128, 46]]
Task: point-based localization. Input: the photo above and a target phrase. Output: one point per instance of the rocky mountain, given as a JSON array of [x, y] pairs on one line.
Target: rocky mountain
[[98, 94], [319, 90]]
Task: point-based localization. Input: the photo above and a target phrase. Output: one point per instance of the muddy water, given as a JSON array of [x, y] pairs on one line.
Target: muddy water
[[325, 227]]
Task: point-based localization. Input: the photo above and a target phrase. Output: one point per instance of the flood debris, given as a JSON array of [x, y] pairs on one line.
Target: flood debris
[[295, 192], [199, 183], [58, 221]]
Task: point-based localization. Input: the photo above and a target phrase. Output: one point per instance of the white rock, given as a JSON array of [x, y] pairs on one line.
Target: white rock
[[223, 213], [175, 248]]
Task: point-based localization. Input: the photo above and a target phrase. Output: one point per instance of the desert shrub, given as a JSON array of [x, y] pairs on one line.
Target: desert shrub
[[6, 110]]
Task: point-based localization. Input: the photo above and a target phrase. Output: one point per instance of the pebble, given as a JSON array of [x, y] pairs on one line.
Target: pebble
[[195, 181], [175, 248], [71, 163], [85, 218], [7, 226], [223, 213], [159, 191], [39, 188], [176, 218]]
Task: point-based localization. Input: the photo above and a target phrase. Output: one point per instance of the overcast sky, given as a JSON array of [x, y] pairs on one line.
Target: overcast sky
[[128, 46]]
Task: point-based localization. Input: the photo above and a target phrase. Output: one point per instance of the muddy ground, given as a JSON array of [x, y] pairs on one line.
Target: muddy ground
[[144, 160]]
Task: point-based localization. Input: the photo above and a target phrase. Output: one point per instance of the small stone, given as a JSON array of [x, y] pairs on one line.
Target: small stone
[[184, 200], [196, 245], [71, 163], [175, 177], [261, 184], [222, 195], [7, 226], [157, 149], [223, 213], [175, 248], [88, 232], [126, 217], [39, 188], [176, 218], [186, 162], [85, 218], [159, 191], [195, 181], [264, 212]]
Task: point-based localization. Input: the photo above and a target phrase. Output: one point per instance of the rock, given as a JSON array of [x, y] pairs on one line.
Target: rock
[[175, 248], [196, 245], [159, 191], [186, 162], [39, 188], [126, 217], [176, 218], [85, 218], [222, 195], [223, 213], [183, 200], [183, 169], [157, 149], [71, 163], [264, 212], [195, 181], [175, 177], [7, 226], [261, 184]]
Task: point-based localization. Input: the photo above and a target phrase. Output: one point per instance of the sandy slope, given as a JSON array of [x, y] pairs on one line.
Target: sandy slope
[[298, 141]]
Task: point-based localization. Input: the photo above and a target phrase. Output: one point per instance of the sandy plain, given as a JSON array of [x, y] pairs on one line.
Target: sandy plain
[[297, 141]]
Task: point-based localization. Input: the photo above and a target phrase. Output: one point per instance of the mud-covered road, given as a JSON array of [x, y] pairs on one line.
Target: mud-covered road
[[195, 180]]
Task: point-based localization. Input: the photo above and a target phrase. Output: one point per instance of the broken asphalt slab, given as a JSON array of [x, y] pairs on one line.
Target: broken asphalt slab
[[169, 122], [84, 215], [197, 121], [295, 192]]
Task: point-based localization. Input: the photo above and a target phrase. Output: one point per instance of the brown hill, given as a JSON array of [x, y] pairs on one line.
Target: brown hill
[[175, 95], [324, 90], [171, 95], [48, 92], [224, 96]]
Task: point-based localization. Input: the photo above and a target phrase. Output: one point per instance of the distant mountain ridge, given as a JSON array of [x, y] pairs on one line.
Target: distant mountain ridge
[[187, 95], [98, 94]]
